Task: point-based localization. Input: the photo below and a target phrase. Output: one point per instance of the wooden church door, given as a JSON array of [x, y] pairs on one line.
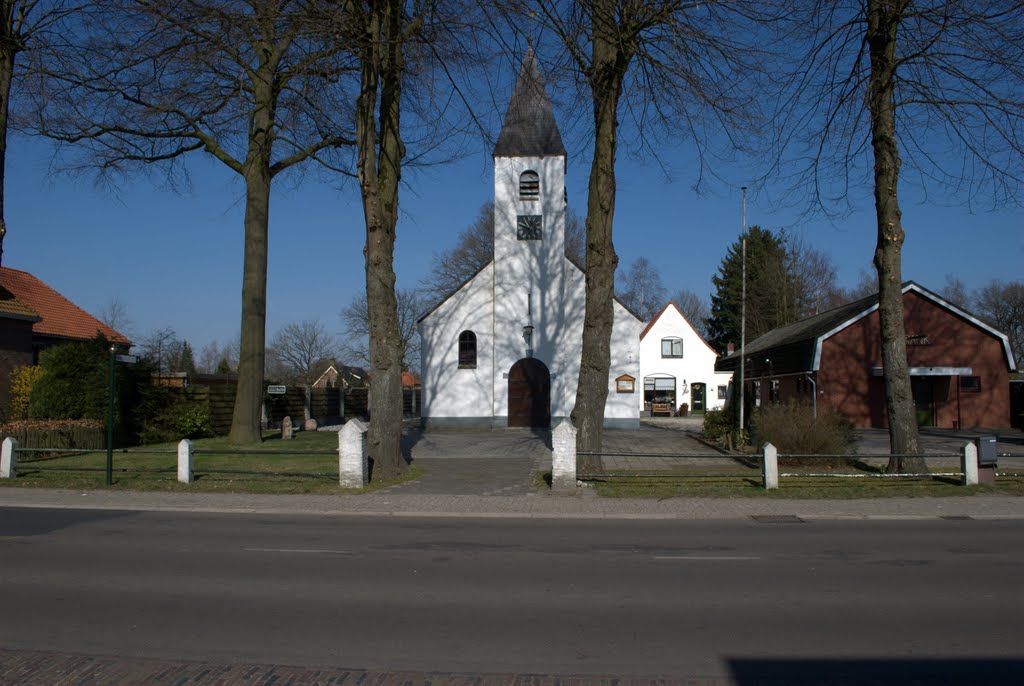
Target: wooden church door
[[529, 394]]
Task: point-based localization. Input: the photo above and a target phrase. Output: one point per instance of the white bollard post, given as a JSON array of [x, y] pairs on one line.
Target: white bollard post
[[185, 474], [352, 458], [969, 464], [770, 469], [563, 456], [8, 458]]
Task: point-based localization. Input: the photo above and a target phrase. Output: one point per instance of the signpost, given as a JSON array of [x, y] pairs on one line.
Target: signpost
[[114, 357]]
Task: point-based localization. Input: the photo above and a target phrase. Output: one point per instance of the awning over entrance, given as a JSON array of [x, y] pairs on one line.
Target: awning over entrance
[[931, 371]]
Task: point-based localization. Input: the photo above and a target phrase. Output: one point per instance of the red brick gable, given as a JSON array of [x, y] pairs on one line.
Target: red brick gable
[[60, 317]]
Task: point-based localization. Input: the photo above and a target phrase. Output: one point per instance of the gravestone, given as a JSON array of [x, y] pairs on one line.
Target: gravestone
[[287, 430]]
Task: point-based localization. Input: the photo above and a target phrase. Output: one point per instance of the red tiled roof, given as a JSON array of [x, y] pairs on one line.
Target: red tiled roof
[[410, 380], [60, 317], [11, 307]]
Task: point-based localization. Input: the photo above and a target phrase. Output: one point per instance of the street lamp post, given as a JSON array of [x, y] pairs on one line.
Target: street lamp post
[[110, 419]]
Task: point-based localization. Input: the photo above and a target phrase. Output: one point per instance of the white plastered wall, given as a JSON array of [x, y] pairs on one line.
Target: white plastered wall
[[697, 365], [450, 392]]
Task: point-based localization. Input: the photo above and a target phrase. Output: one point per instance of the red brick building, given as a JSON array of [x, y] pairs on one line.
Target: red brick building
[[959, 366], [34, 316]]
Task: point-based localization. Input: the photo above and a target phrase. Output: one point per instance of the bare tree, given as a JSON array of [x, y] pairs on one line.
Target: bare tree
[[934, 84], [1001, 304], [670, 68], [641, 289], [160, 348], [218, 358], [297, 348], [257, 85], [355, 318], [867, 284], [695, 308], [25, 25], [816, 287], [955, 291], [115, 315]]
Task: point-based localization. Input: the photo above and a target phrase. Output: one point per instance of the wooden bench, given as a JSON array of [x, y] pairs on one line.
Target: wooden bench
[[661, 408]]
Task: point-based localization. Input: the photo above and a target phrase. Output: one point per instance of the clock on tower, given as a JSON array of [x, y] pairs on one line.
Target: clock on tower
[[528, 227]]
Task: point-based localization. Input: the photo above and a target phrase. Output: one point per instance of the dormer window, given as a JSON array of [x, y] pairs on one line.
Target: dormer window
[[529, 185]]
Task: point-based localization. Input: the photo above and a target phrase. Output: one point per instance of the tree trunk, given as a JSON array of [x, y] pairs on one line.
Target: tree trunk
[[609, 65], [379, 167], [7, 55], [245, 423], [883, 21]]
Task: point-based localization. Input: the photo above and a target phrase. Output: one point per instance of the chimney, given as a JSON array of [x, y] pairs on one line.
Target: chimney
[[730, 349]]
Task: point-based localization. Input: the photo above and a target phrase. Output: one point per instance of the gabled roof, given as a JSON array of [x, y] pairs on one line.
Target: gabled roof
[[796, 347], [529, 129], [12, 308], [670, 304], [58, 316]]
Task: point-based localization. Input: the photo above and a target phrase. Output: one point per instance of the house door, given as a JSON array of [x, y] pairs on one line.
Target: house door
[[924, 400], [529, 394], [698, 392]]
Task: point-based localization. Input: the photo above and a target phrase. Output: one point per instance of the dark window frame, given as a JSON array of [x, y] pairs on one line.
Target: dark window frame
[[672, 340], [970, 384], [467, 350]]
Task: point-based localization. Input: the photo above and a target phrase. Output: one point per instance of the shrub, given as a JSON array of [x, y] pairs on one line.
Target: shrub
[[792, 428], [23, 379], [74, 385], [57, 433], [720, 426], [193, 421]]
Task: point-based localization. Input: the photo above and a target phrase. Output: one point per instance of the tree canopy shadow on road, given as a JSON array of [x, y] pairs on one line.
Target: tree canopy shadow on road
[[874, 671]]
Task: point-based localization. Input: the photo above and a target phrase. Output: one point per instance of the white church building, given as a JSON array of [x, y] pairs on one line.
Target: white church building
[[504, 349]]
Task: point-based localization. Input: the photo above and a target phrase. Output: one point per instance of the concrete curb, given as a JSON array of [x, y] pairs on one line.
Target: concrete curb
[[532, 506]]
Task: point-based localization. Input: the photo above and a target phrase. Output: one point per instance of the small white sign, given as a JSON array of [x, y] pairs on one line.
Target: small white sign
[[130, 359], [277, 390]]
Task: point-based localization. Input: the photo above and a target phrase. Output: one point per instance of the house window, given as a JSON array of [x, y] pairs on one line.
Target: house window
[[529, 185], [722, 391], [625, 384], [660, 389], [970, 384], [671, 347], [467, 350]]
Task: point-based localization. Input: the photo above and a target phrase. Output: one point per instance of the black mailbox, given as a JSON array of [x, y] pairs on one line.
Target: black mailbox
[[986, 451]]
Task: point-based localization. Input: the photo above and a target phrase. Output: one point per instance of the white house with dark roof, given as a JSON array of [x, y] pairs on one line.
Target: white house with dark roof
[[677, 367], [504, 349]]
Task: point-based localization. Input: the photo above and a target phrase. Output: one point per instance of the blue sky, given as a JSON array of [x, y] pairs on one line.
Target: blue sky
[[175, 259]]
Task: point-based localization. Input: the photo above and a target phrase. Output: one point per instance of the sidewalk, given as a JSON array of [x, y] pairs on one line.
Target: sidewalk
[[535, 505]]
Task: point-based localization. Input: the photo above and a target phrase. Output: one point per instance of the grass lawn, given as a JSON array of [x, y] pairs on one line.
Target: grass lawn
[[856, 480], [310, 465]]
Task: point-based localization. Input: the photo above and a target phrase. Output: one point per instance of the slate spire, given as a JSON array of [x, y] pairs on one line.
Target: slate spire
[[529, 129]]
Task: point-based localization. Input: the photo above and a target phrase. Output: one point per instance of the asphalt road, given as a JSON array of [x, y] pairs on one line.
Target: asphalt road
[[701, 599]]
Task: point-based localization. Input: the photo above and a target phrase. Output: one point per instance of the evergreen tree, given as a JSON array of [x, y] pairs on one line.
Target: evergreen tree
[[773, 289]]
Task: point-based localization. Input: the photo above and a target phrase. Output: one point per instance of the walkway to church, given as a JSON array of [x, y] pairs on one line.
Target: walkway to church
[[504, 461]]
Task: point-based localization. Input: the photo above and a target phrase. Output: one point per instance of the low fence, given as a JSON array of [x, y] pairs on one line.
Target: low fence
[[565, 474], [353, 461]]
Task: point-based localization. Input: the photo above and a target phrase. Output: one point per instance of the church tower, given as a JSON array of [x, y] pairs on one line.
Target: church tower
[[529, 215], [529, 233]]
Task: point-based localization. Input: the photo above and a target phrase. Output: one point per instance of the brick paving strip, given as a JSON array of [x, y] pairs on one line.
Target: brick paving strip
[[36, 668]]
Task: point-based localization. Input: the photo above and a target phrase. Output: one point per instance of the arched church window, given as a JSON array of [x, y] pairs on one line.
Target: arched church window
[[467, 350], [529, 185]]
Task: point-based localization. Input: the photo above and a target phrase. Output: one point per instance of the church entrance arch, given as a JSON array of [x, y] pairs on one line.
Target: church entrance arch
[[529, 394]]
